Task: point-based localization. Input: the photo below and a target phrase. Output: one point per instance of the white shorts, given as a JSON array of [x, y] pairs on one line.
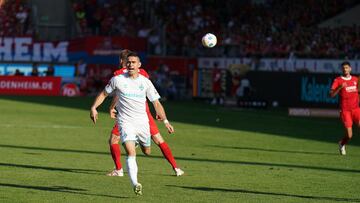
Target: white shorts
[[139, 133]]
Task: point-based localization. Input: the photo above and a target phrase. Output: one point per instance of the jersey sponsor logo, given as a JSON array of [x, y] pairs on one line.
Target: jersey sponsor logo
[[351, 89], [134, 95], [141, 87]]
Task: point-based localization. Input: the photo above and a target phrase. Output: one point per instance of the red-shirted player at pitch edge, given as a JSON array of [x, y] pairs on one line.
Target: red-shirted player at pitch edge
[[346, 86], [154, 131]]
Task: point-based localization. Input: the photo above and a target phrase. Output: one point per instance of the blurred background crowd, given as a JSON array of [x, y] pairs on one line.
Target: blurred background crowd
[[271, 28], [253, 29], [264, 28]]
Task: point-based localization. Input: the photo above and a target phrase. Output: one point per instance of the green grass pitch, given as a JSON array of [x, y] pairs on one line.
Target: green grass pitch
[[51, 152]]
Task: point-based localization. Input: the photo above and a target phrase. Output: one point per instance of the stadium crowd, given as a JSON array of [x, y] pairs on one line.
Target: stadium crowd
[[104, 17], [270, 28], [14, 18], [262, 28]]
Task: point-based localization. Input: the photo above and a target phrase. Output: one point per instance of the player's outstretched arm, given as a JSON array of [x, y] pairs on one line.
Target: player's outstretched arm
[[97, 102], [160, 112]]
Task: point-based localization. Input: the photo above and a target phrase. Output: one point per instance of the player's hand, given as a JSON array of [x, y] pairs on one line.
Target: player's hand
[[113, 113], [93, 115], [170, 128], [343, 85]]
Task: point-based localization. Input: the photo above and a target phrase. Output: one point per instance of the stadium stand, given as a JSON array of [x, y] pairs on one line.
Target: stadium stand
[[14, 18], [110, 17], [259, 28], [271, 28]]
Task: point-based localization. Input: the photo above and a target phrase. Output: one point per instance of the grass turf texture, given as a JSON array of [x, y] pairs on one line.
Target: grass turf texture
[[51, 152]]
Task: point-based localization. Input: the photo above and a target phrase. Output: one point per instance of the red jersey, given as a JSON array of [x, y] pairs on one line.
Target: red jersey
[[349, 97], [124, 70], [216, 78]]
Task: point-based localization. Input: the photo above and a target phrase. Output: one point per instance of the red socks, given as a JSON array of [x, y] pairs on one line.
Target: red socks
[[167, 154], [115, 153]]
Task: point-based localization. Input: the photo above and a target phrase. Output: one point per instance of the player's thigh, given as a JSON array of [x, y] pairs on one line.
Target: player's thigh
[[115, 130], [356, 116], [346, 118], [157, 138], [152, 124], [143, 135], [128, 133], [115, 135], [146, 150], [114, 139], [154, 131]]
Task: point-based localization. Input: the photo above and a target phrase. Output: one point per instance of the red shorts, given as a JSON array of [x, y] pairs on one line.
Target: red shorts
[[216, 88], [153, 127], [348, 117]]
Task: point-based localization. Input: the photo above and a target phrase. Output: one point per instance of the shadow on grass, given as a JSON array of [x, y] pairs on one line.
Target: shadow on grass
[[70, 170], [274, 150], [52, 149], [62, 189], [272, 122], [270, 165], [212, 189]]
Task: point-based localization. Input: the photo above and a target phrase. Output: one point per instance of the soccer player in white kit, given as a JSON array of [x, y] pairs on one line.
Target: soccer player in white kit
[[132, 90]]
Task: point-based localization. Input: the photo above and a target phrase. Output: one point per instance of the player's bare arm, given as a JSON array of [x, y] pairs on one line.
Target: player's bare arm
[[97, 102], [334, 92], [112, 109], [160, 112]]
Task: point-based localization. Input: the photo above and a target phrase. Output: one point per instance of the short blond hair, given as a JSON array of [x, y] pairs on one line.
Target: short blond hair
[[123, 54]]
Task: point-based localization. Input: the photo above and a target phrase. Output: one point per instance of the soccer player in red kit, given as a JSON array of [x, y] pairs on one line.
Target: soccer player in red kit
[[346, 86], [216, 85], [154, 131]]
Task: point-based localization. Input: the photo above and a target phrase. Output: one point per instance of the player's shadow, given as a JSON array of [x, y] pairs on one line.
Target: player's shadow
[[273, 122], [274, 150], [62, 189], [270, 165], [52, 149], [213, 189], [48, 168]]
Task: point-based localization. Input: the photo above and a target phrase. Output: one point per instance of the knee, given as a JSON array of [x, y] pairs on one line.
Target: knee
[[147, 151], [130, 148], [349, 134], [157, 139], [114, 139]]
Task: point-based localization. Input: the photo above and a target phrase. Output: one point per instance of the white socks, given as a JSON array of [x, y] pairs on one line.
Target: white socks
[[132, 169]]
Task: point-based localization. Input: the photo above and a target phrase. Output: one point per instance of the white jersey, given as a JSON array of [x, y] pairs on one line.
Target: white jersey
[[132, 95]]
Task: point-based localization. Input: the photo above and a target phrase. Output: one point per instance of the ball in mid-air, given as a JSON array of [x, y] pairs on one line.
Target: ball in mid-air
[[209, 40]]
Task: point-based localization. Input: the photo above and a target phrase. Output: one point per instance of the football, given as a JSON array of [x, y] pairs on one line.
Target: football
[[209, 40]]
